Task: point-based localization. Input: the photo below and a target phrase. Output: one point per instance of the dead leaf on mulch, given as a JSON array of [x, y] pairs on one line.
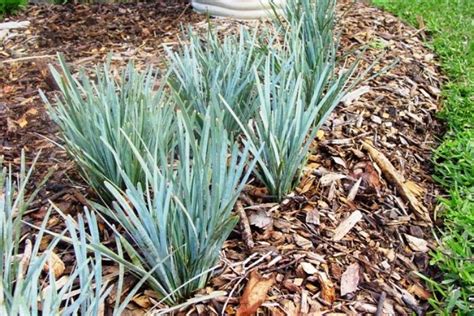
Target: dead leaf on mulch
[[417, 244], [255, 293], [142, 301], [350, 279], [260, 219], [54, 264], [346, 225], [330, 178]]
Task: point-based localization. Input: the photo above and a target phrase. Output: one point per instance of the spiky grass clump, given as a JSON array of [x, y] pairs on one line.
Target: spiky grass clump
[[100, 119], [23, 288], [204, 68], [299, 90], [284, 127], [20, 269], [89, 251], [176, 222], [309, 35]]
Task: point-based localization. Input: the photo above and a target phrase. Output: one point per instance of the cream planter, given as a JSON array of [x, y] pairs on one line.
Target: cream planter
[[241, 9]]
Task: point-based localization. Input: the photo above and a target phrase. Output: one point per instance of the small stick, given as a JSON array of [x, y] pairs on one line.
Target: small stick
[[14, 60], [396, 179], [245, 225], [246, 199], [380, 304]]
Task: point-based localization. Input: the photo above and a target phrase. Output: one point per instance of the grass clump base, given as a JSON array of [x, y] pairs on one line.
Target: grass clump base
[[177, 221]]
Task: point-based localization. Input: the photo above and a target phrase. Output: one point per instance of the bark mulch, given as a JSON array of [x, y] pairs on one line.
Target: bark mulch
[[352, 237]]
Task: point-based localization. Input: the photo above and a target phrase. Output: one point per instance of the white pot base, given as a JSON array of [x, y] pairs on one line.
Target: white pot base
[[240, 9]]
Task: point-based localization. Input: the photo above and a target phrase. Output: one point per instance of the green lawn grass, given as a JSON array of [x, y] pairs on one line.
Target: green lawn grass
[[9, 6], [450, 24]]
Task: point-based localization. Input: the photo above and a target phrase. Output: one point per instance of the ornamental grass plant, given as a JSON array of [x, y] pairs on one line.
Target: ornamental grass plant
[[172, 167], [100, 120], [21, 263], [175, 223], [24, 288], [204, 68], [298, 88]]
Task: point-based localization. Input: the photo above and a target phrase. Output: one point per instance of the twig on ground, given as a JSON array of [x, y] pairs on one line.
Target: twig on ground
[[26, 58], [245, 226], [392, 175]]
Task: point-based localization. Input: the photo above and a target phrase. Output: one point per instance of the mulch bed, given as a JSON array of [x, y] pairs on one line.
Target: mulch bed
[[347, 241]]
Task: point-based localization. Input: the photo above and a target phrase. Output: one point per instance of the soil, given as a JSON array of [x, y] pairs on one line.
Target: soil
[[348, 240]]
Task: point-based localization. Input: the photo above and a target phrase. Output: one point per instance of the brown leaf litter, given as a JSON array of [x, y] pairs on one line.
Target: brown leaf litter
[[347, 241]]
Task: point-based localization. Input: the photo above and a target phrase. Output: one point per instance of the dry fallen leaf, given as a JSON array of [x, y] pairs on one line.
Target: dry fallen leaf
[[260, 219], [32, 111], [346, 225], [320, 134], [350, 279], [142, 301], [255, 293], [417, 244], [22, 122], [54, 264], [329, 178], [306, 184]]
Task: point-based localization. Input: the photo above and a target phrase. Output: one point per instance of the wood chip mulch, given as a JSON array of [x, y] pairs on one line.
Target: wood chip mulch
[[352, 237]]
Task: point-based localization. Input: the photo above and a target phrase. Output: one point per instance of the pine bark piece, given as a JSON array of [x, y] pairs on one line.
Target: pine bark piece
[[354, 190], [403, 186], [346, 225], [328, 291], [382, 298]]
